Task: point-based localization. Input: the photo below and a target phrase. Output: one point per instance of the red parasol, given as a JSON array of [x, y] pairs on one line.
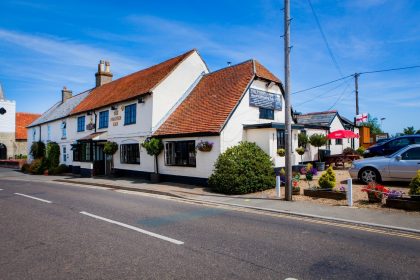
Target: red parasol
[[340, 134]]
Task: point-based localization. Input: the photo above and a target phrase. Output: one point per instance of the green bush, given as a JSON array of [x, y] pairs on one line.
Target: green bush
[[154, 147], [327, 180], [361, 150], [415, 185], [241, 169], [53, 155], [37, 150], [62, 168], [25, 168], [110, 148], [303, 140], [38, 166]]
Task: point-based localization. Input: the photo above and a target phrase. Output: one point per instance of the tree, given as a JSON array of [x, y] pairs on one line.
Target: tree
[[37, 150], [303, 140], [110, 148], [53, 154], [373, 124], [409, 130], [153, 147], [318, 140]]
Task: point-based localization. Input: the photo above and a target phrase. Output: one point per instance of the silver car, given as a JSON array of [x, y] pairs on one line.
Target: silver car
[[400, 166]]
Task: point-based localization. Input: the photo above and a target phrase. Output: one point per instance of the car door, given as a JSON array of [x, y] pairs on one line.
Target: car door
[[406, 167]]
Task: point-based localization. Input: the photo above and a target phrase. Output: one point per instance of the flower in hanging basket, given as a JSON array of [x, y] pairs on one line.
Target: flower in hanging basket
[[281, 152], [204, 146]]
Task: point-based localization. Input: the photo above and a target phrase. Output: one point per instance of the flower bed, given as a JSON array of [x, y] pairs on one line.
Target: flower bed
[[320, 193], [405, 203]]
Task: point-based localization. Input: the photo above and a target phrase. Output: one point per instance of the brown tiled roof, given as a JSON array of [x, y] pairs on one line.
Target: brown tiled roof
[[211, 102], [22, 121], [129, 86]]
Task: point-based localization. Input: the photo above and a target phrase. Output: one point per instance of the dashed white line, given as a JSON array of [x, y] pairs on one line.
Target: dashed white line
[[134, 228], [33, 197]]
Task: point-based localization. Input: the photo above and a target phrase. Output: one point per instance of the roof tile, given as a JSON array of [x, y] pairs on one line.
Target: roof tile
[[23, 120]]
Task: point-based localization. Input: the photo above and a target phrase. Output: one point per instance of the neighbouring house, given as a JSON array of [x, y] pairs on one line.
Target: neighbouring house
[[13, 135], [324, 123], [179, 101]]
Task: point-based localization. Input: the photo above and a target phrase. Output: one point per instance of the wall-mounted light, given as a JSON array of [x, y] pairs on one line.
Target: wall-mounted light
[[140, 100], [113, 107]]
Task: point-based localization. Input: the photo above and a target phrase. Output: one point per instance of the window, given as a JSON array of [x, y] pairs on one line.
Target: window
[[103, 119], [63, 130], [180, 153], [81, 124], [130, 153], [281, 139], [266, 114], [33, 134], [339, 141], [82, 152], [130, 114], [416, 140], [412, 154], [64, 154], [399, 143]]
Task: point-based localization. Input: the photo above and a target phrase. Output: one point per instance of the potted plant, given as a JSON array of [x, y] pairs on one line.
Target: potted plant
[[281, 152], [154, 147], [204, 146], [295, 185], [300, 151], [110, 148], [303, 140], [375, 192], [318, 140]]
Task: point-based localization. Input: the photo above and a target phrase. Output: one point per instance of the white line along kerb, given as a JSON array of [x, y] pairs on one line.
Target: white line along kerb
[[134, 228], [28, 196]]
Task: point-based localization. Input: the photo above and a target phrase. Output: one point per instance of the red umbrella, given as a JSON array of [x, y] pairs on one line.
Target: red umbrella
[[340, 134]]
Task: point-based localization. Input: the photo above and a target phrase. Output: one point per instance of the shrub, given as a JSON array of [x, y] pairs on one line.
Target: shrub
[[327, 180], [25, 168], [415, 185], [53, 154], [241, 169], [318, 140], [303, 140], [62, 168], [349, 151], [37, 150], [360, 150], [38, 166], [110, 148], [375, 192], [154, 147]]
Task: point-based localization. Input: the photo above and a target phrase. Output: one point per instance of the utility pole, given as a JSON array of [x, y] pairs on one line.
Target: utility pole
[[288, 131], [356, 86]]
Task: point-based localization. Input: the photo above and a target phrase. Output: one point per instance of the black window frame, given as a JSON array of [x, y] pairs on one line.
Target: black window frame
[[103, 120], [175, 153], [129, 116], [129, 154], [83, 152], [81, 122], [266, 114], [281, 139], [339, 141]]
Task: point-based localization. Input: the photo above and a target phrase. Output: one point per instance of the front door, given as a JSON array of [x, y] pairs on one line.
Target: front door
[[3, 151], [407, 166], [98, 159]]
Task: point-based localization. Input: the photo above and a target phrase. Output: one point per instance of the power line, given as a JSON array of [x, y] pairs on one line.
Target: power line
[[319, 95], [340, 97], [391, 69], [325, 39], [321, 85]]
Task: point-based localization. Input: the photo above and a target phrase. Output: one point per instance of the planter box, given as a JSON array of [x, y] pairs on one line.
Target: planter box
[[325, 194], [403, 203]]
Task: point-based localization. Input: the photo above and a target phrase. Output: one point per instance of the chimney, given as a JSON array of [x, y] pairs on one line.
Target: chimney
[[104, 74], [66, 94]]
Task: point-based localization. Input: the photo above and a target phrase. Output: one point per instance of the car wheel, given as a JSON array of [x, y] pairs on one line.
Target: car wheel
[[368, 175]]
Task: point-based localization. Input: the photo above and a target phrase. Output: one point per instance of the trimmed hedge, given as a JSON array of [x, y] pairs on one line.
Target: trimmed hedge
[[242, 169], [327, 180]]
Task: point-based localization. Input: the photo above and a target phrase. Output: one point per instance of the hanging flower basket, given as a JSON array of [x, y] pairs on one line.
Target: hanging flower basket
[[204, 146]]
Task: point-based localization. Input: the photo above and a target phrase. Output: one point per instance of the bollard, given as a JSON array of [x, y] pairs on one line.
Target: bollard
[[349, 192], [278, 186]]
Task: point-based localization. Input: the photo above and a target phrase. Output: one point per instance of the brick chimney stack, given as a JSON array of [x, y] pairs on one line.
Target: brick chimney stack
[[104, 75], [66, 94]]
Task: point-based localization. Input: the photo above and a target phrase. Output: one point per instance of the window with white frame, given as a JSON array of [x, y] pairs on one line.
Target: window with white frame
[[63, 130], [180, 153], [48, 133], [64, 154], [33, 134]]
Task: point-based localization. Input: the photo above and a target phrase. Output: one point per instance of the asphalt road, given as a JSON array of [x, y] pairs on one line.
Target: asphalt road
[[122, 235]]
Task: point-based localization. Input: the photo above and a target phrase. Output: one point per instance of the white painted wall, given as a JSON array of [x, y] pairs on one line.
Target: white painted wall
[[8, 120]]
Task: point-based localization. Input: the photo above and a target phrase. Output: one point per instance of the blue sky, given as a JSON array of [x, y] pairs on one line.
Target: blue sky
[[45, 45]]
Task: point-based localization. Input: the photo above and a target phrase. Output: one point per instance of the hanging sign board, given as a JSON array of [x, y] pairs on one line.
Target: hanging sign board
[[264, 99]]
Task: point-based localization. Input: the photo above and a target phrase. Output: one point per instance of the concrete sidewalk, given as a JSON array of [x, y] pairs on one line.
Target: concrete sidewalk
[[379, 217]]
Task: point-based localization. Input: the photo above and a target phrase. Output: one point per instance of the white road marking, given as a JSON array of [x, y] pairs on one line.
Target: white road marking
[[28, 196], [134, 228], [1, 189]]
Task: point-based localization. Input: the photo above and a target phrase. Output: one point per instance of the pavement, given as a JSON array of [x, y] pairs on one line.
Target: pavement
[[55, 230], [371, 217]]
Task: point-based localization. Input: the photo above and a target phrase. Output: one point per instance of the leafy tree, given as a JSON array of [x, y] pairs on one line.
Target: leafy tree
[[154, 147], [37, 150], [318, 140], [241, 169], [373, 124], [53, 154], [409, 130]]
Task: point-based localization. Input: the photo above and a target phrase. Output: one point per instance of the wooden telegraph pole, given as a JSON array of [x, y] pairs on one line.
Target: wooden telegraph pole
[[287, 101]]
